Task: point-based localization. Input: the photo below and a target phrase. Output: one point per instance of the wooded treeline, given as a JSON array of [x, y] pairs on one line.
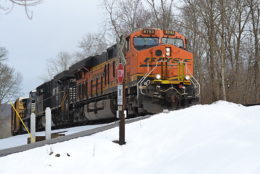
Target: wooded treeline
[[10, 81], [223, 36]]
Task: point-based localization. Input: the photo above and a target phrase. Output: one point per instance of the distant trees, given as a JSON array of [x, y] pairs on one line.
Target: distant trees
[[162, 13], [254, 55], [60, 63], [92, 44], [3, 53], [9, 80], [224, 37], [126, 16]]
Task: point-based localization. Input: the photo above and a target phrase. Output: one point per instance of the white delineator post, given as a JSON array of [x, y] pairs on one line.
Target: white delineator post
[[33, 123], [48, 123]]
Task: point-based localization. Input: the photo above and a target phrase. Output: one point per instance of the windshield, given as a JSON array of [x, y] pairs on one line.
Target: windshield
[[141, 43], [173, 41]]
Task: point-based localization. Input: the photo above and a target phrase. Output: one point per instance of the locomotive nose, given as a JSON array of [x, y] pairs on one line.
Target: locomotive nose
[[168, 51], [163, 51], [158, 52]]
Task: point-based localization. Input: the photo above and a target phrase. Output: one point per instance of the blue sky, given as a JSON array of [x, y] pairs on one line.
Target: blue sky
[[57, 25]]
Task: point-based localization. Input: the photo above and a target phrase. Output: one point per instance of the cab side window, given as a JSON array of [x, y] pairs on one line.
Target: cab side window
[[127, 45]]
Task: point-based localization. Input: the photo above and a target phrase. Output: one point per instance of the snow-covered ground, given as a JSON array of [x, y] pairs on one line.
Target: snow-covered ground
[[19, 140], [221, 138]]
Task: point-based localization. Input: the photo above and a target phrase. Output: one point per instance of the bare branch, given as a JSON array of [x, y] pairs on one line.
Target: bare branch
[[3, 54], [56, 65], [9, 83], [92, 44], [7, 8]]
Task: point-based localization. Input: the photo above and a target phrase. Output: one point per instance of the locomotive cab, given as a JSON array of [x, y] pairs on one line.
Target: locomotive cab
[[161, 69]]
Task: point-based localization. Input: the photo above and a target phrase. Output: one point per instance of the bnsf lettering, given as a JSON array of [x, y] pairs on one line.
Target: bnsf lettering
[[163, 59]]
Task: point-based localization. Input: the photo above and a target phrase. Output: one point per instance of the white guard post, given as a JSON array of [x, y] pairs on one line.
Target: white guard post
[[33, 123], [48, 124]]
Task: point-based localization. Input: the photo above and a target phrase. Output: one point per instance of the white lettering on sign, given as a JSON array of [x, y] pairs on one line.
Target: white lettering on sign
[[120, 73], [120, 95]]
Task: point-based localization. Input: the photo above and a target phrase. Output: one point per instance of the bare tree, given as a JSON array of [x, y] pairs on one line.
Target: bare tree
[[56, 65], [9, 83], [224, 37], [126, 16], [92, 44], [8, 5], [162, 13], [222, 46], [3, 54], [254, 64]]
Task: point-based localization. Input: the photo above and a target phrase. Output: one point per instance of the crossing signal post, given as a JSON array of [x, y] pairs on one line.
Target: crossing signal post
[[120, 102]]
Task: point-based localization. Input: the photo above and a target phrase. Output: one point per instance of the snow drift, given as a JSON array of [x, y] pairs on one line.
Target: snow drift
[[218, 138]]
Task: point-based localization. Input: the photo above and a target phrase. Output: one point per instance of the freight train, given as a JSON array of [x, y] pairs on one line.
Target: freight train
[[158, 73]]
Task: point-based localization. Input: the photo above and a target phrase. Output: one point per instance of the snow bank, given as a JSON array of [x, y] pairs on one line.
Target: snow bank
[[218, 138], [19, 140]]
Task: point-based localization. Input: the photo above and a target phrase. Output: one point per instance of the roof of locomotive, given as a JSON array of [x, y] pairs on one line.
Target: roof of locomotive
[[156, 32], [84, 65], [63, 75], [43, 85], [88, 62], [80, 65]]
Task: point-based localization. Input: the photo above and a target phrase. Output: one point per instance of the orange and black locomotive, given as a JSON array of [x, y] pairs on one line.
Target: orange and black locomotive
[[158, 75]]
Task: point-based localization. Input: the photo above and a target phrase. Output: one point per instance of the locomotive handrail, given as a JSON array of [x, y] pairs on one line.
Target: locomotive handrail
[[63, 100], [143, 78], [198, 85], [193, 80]]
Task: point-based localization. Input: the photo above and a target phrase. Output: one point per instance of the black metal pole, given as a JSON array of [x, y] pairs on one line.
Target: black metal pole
[[122, 120]]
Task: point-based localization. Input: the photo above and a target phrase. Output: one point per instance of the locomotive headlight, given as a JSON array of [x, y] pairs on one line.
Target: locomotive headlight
[[158, 76], [187, 77], [168, 51]]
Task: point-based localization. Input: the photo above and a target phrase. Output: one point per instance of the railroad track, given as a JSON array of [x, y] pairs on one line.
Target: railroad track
[[22, 148]]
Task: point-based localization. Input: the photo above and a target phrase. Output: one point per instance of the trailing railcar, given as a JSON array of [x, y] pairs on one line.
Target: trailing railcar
[[158, 76], [16, 126]]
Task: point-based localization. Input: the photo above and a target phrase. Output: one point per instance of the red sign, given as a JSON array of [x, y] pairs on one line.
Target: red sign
[[120, 73]]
